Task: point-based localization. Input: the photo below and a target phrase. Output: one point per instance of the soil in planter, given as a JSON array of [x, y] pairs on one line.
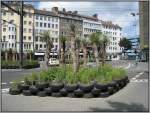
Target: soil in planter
[[63, 92], [48, 91], [78, 93], [14, 91], [34, 90], [86, 88], [111, 90], [70, 88], [41, 94], [26, 93]]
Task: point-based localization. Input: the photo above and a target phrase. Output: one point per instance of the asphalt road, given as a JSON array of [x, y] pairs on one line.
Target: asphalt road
[[134, 97]]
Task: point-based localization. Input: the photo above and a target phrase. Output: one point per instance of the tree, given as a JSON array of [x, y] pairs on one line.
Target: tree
[[77, 46], [63, 40], [49, 44], [105, 41], [95, 39], [125, 43], [84, 47], [73, 47]]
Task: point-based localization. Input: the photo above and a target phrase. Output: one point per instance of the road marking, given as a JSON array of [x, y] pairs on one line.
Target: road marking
[[4, 83], [128, 66], [139, 80], [138, 75], [5, 90], [11, 82]]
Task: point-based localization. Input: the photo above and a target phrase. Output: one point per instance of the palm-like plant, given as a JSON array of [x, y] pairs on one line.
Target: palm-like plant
[[49, 44], [95, 39], [63, 40], [73, 47], [105, 41], [85, 43]]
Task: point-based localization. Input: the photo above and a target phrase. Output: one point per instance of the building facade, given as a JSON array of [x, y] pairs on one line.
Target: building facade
[[114, 32]]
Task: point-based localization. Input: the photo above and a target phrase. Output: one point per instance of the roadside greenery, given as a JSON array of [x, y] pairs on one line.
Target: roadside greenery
[[105, 74], [27, 64]]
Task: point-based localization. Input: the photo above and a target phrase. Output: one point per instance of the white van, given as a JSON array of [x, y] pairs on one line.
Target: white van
[[53, 61]]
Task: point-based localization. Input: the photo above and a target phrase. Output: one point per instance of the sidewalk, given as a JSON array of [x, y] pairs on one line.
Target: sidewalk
[[134, 97]]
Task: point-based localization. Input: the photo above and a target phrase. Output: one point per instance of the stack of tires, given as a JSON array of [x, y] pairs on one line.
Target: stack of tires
[[79, 90]]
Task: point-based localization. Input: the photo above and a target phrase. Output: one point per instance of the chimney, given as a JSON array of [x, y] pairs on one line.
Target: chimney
[[64, 10], [75, 12], [95, 15], [55, 9]]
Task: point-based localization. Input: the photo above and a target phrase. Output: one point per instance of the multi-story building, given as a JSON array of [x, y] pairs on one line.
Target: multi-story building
[[45, 21], [114, 33], [91, 25], [14, 19], [8, 36]]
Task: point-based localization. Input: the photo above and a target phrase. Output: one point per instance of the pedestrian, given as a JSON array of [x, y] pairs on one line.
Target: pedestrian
[[136, 60]]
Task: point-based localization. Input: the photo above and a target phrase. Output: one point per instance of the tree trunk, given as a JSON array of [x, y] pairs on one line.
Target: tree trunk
[[46, 59], [77, 56], [73, 52], [6, 55], [85, 56], [30, 56], [14, 54], [103, 55], [62, 56], [96, 54]]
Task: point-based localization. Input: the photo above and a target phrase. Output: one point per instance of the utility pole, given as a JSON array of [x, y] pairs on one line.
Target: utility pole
[[21, 34]]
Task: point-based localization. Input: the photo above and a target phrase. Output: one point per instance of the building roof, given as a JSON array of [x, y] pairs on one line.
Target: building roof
[[44, 12], [110, 24]]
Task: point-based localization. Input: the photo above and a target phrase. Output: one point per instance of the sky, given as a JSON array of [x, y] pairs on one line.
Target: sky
[[117, 12]]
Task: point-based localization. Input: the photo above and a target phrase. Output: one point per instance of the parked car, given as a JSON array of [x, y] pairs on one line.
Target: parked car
[[53, 61]]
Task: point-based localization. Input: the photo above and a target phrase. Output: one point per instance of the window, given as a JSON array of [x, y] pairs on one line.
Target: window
[[45, 24], [30, 30], [30, 15], [9, 28], [4, 38], [12, 28], [41, 18], [24, 46], [49, 26], [56, 19], [24, 37], [12, 36], [44, 45], [30, 22], [45, 18], [56, 47], [15, 37], [12, 45], [4, 29], [56, 33], [29, 37], [37, 24], [2, 45], [49, 18], [37, 17], [36, 46], [56, 26], [25, 22], [29, 46], [52, 25], [4, 13], [9, 36], [40, 45], [24, 30], [12, 13], [41, 24], [56, 39], [36, 38], [52, 19]]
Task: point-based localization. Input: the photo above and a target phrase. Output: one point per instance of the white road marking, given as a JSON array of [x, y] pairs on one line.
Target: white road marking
[[138, 75], [4, 83], [139, 80], [11, 82], [5, 90]]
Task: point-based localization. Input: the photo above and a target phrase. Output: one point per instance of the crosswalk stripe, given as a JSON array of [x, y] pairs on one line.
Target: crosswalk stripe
[[5, 90], [139, 80]]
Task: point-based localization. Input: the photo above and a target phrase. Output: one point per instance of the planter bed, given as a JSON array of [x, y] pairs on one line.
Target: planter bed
[[66, 90]]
